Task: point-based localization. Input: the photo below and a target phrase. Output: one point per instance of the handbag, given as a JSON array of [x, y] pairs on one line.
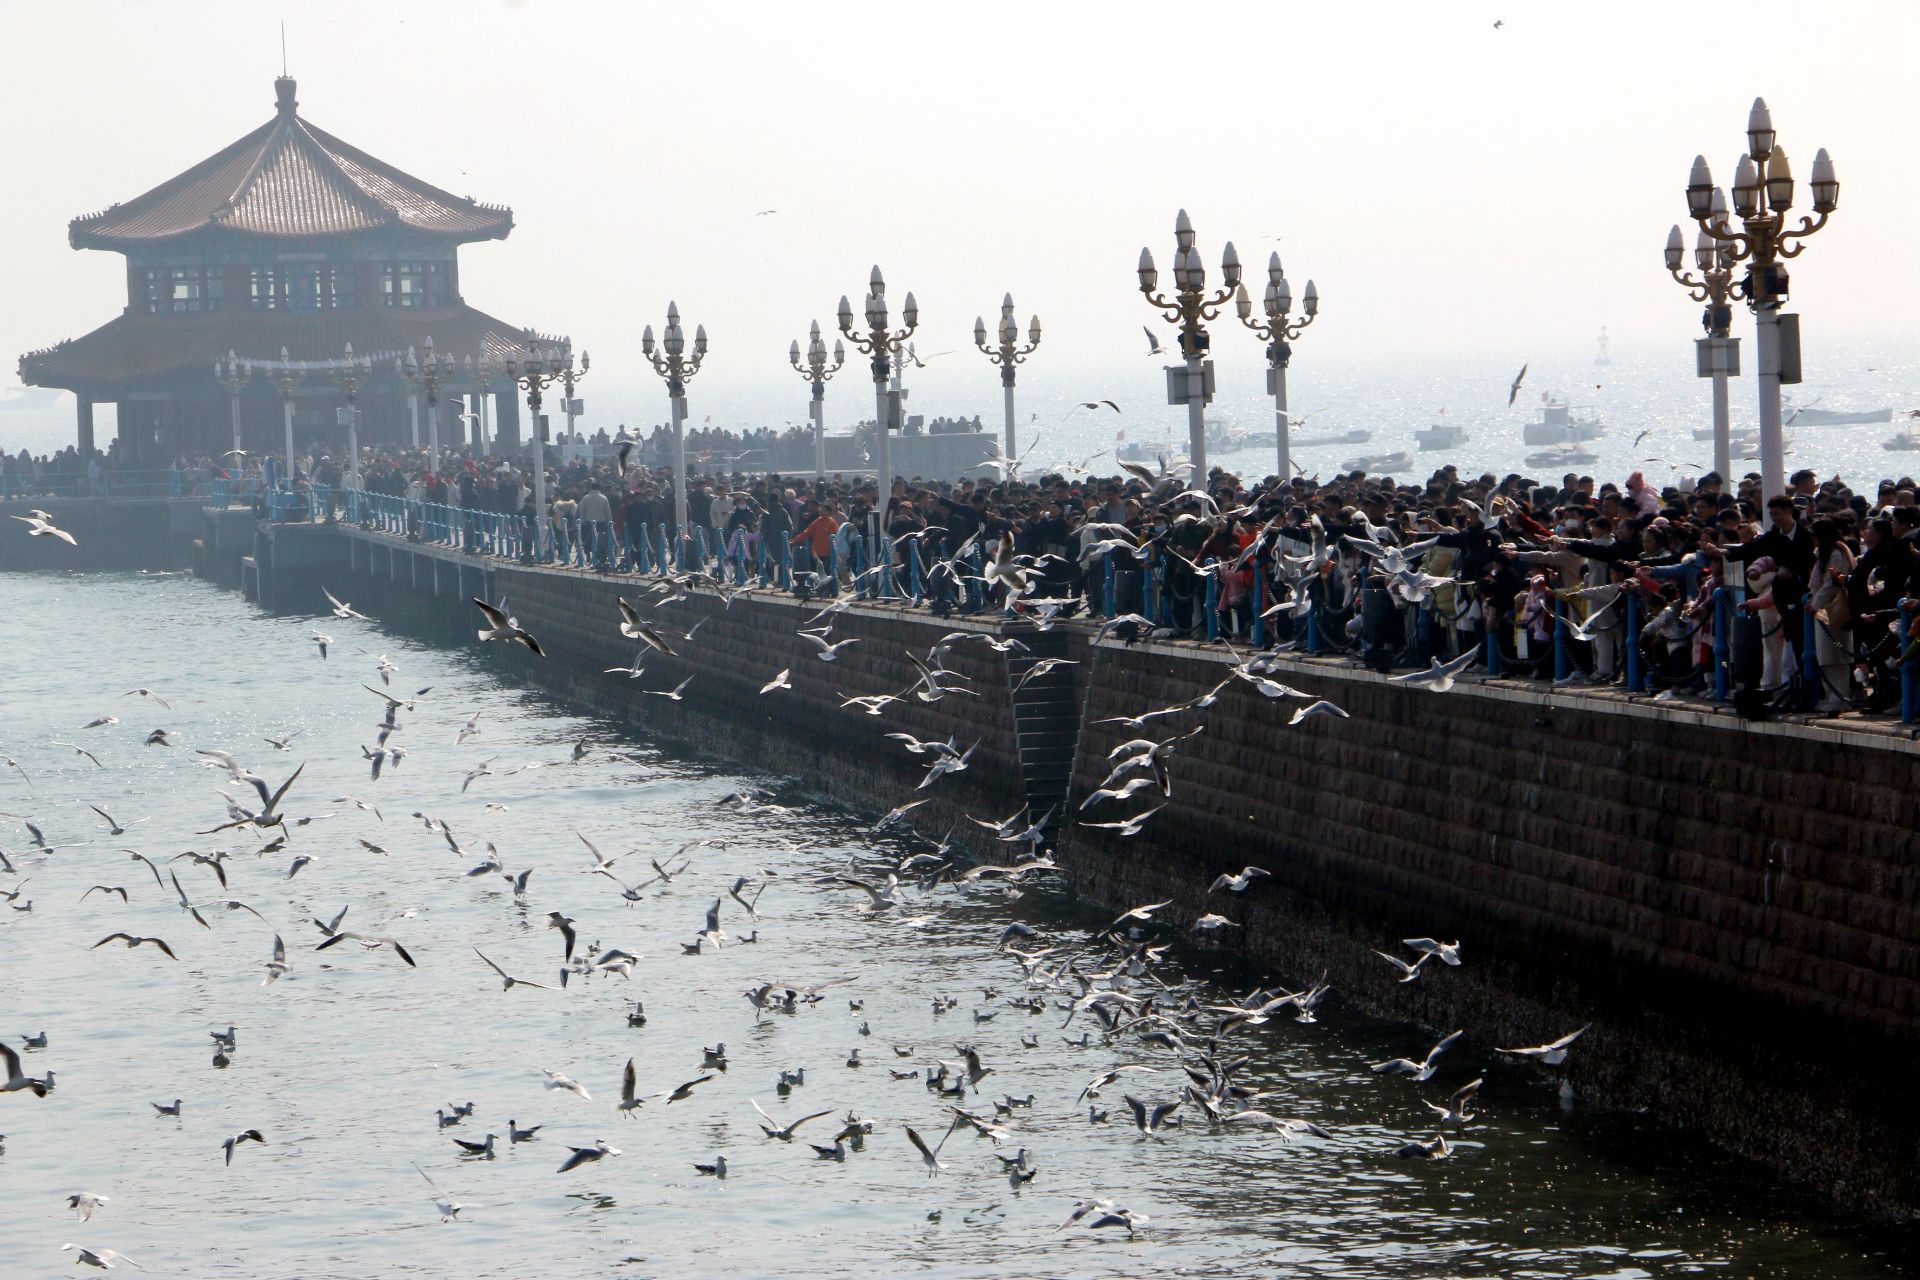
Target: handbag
[[1837, 615]]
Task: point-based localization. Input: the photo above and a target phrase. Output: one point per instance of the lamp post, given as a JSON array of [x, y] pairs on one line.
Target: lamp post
[[880, 344], [1280, 334], [817, 372], [535, 374], [482, 373], [569, 377], [1762, 194], [1007, 354], [349, 376], [1190, 307], [1718, 354], [233, 374], [672, 362], [286, 376], [426, 374]]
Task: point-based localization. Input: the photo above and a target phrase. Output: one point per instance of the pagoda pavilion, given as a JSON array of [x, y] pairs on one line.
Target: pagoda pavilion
[[288, 241]]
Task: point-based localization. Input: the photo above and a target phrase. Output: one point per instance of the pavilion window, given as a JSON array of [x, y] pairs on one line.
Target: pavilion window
[[339, 287], [403, 284], [303, 290], [183, 289], [263, 289]]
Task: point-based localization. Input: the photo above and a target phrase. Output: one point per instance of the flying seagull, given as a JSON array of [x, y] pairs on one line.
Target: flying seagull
[[502, 627], [1513, 392]]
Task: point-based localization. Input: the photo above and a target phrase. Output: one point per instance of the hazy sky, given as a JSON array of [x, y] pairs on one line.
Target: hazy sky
[[1454, 189]]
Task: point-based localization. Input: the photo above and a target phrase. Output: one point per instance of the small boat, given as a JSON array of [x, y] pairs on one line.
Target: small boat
[[1566, 455], [1558, 424], [1907, 441], [1348, 437], [1441, 435], [1811, 417], [1379, 463]]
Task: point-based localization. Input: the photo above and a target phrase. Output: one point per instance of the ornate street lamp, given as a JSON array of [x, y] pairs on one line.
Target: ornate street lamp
[[1190, 307], [673, 363], [349, 375], [881, 344], [482, 373], [1762, 194], [1280, 334], [1718, 354], [818, 372], [1007, 353], [233, 373], [535, 374], [426, 374], [286, 375]]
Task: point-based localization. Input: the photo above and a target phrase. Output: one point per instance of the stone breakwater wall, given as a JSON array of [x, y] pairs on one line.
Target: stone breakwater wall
[[1733, 906], [802, 731]]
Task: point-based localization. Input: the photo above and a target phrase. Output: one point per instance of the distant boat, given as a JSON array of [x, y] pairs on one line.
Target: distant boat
[[1602, 358], [1558, 424], [1811, 417], [1566, 455], [1380, 463], [1906, 441], [1439, 436], [1347, 437]]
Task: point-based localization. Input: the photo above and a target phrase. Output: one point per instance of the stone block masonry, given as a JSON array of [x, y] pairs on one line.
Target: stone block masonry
[[1732, 905]]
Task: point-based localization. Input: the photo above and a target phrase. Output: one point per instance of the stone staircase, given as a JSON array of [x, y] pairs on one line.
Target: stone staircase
[[1046, 718]]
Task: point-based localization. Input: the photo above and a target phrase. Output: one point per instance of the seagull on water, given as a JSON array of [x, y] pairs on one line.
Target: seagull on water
[[1149, 1120], [484, 1149], [516, 1134], [163, 1109]]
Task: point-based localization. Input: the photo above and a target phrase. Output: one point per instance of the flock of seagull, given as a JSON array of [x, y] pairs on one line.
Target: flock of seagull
[[1181, 1066]]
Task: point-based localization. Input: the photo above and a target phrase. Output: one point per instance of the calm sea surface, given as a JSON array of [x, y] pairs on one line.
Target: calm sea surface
[[343, 1063]]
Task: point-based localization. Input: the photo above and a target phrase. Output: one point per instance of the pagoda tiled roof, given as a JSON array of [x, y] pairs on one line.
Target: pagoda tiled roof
[[141, 352], [288, 179]]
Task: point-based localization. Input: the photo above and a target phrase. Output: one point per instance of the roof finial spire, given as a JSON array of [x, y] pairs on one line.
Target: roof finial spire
[[283, 87]]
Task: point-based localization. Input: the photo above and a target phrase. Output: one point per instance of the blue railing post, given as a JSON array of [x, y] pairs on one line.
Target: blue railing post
[[1562, 659], [1213, 609], [1112, 577], [1259, 606], [761, 565], [1493, 648], [786, 564], [1722, 645], [1809, 656], [702, 555], [1909, 671], [914, 582], [1636, 667]]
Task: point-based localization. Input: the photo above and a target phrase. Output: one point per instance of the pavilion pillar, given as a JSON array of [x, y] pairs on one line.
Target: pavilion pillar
[[506, 420], [84, 412]]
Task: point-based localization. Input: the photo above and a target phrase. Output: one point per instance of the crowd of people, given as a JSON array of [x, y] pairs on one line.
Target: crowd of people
[[1794, 600]]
